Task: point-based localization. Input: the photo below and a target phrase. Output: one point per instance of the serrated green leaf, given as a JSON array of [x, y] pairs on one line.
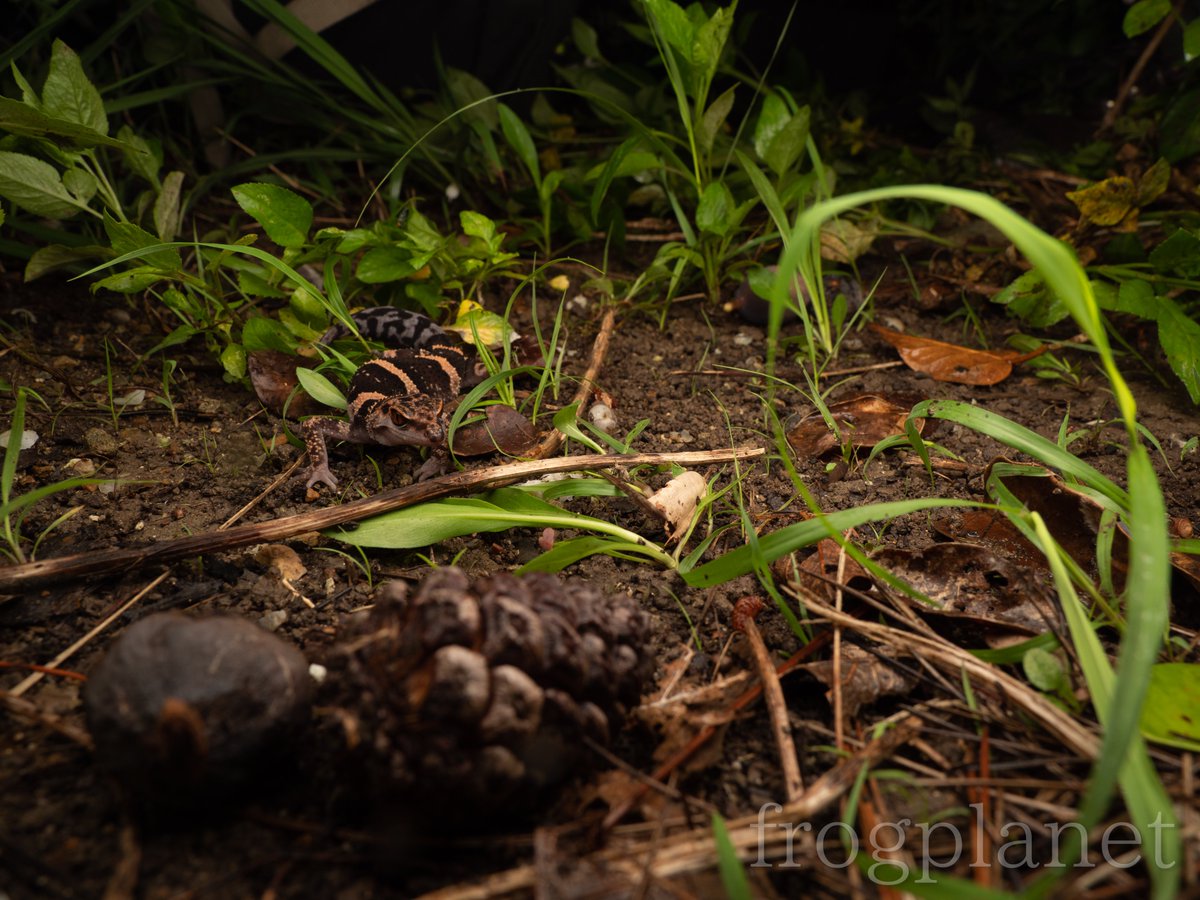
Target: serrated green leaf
[[284, 215], [475, 224], [1179, 254], [1144, 15], [786, 146], [1031, 300], [380, 265], [519, 139], [714, 214], [709, 40], [68, 94], [264, 333], [35, 186], [674, 26], [127, 237], [1136, 297], [1180, 339]]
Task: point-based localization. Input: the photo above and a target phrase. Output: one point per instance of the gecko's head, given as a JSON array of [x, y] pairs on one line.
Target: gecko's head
[[418, 421]]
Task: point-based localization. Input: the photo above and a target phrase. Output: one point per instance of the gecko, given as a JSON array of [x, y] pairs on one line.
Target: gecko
[[404, 397]]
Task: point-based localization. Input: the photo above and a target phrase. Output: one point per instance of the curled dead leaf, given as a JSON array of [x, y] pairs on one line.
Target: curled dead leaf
[[273, 376], [281, 560], [677, 502], [504, 429], [952, 363], [863, 421], [865, 678]]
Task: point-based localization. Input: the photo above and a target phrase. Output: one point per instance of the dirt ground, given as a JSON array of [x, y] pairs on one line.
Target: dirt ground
[[307, 835]]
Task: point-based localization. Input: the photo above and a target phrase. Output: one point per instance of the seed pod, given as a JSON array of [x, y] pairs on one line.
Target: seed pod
[[474, 695], [186, 711]]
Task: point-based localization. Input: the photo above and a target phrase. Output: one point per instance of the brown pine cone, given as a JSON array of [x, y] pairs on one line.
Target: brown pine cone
[[475, 695]]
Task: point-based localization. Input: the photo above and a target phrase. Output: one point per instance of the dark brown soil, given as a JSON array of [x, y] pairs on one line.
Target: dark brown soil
[[307, 835]]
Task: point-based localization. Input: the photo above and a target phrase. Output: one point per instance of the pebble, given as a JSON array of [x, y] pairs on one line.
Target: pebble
[[273, 620], [100, 441]]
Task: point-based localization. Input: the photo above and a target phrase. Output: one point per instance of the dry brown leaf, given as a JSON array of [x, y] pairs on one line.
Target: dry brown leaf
[[505, 430], [273, 376], [990, 596], [676, 502], [950, 362], [865, 678], [863, 421], [281, 559]]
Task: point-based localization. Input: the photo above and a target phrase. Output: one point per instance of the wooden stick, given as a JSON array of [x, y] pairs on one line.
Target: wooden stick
[[744, 612], [107, 562]]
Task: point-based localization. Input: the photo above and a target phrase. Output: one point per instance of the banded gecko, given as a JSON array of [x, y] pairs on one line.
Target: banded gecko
[[404, 397]]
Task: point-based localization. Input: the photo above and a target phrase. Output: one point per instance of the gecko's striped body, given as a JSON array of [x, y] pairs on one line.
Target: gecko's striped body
[[405, 397]]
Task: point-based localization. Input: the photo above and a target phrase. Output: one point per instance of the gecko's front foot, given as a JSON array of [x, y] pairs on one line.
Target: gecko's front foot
[[321, 475]]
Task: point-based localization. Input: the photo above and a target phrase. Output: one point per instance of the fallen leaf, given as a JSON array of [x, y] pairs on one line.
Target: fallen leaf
[[844, 241], [863, 421], [950, 362], [1108, 203], [273, 376], [865, 678], [676, 502], [990, 596], [282, 560], [505, 430]]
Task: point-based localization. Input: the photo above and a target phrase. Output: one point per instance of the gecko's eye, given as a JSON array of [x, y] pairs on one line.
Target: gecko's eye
[[397, 416]]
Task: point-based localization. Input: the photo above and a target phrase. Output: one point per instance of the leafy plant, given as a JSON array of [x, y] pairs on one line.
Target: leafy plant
[[14, 509]]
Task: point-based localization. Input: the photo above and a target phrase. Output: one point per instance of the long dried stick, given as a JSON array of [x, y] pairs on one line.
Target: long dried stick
[[105, 562]]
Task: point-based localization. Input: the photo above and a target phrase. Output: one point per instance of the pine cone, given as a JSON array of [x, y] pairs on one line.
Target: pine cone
[[472, 694]]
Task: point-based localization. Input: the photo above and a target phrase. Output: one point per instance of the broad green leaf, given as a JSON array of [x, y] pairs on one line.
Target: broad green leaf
[[708, 42], [714, 119], [715, 212], [586, 42], [472, 97], [142, 157], [475, 224], [254, 285], [1043, 669], [787, 145], [320, 388], [35, 186], [1179, 254], [1135, 297], [773, 116], [56, 256], [1106, 203], [1191, 40], [284, 215], [1144, 15], [233, 360], [167, 206], [68, 94], [81, 183], [1180, 338], [1153, 182], [264, 333], [674, 26], [380, 265], [1169, 716], [127, 238], [1029, 299], [1179, 130], [519, 139]]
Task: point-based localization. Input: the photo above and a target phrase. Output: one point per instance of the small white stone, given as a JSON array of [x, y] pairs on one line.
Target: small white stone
[[318, 672]]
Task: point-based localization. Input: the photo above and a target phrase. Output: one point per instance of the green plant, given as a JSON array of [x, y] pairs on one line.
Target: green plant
[[13, 510]]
